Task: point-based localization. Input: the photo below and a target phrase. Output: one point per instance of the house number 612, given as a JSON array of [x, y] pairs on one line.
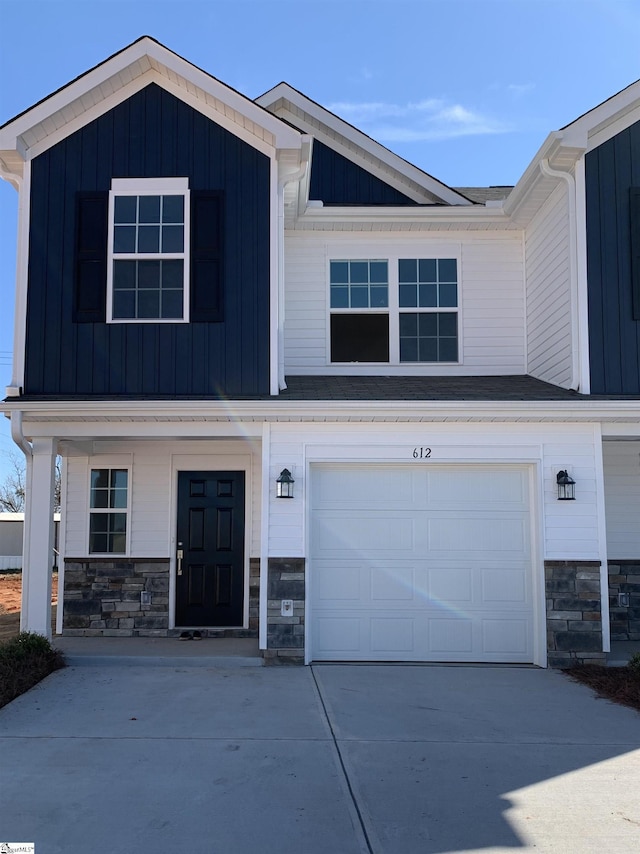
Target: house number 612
[[421, 453]]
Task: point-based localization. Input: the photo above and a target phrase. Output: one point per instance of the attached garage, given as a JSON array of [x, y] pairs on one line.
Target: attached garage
[[421, 562]]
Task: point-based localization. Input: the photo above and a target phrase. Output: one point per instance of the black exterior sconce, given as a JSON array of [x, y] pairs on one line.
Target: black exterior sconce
[[566, 487], [284, 484]]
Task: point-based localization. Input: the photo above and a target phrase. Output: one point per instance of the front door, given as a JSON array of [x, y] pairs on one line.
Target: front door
[[210, 549]]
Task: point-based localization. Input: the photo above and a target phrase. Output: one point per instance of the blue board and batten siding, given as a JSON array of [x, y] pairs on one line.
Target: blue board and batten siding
[[152, 134], [612, 170], [335, 180]]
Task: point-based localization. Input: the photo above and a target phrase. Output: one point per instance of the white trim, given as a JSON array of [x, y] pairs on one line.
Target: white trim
[[368, 251], [338, 127], [264, 534], [582, 296], [93, 466], [22, 281], [276, 278], [602, 538], [148, 187], [91, 418], [138, 59], [62, 541]]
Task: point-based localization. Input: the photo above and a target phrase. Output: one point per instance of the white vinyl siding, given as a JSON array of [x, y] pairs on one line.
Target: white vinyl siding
[[491, 300], [567, 530], [622, 499], [151, 491], [548, 295]]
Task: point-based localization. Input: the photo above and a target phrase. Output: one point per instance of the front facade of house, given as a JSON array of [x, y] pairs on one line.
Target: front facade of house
[[212, 290]]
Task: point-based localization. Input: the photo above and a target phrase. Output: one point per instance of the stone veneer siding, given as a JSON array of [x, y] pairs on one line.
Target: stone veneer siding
[[102, 598], [574, 619], [624, 577], [285, 635]]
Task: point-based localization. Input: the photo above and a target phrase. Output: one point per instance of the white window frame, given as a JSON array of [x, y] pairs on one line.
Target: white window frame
[[109, 510], [149, 187], [376, 252]]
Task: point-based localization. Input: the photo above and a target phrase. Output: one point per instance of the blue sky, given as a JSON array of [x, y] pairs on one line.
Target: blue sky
[[465, 89]]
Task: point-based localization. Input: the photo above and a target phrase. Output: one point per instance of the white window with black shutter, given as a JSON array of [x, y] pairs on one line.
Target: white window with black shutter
[[148, 250]]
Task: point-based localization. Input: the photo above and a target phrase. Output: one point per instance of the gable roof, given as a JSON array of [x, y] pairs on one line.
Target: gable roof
[[310, 117], [115, 79], [563, 148]]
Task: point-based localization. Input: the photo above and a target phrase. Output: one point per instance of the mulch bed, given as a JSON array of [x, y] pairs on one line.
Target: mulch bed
[[618, 684]]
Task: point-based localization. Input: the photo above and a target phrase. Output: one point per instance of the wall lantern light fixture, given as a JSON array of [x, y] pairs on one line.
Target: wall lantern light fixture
[[284, 484], [566, 486]]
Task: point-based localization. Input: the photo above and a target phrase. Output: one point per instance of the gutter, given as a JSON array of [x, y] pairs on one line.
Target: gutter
[[570, 181], [17, 434]]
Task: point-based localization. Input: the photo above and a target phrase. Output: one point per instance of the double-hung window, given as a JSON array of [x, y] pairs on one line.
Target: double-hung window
[[426, 286], [394, 310], [148, 260], [108, 510], [359, 310]]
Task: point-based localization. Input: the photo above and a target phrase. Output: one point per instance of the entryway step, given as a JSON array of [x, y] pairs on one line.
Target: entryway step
[[159, 652]]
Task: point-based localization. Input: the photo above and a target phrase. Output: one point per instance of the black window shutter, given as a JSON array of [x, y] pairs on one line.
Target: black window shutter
[[634, 209], [206, 256], [90, 297]]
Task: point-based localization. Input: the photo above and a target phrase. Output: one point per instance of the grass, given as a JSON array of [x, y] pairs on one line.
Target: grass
[[618, 684], [24, 661]]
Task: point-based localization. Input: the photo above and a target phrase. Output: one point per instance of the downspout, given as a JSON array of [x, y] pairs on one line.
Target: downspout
[[568, 178], [282, 183], [17, 434]]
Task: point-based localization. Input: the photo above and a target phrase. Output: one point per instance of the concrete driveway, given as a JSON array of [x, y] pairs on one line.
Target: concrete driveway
[[332, 759]]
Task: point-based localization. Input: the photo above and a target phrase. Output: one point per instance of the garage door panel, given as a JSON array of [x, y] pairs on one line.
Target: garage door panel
[[468, 489], [349, 532], [370, 489], [454, 534], [451, 585], [338, 637], [427, 582], [392, 583], [391, 635], [339, 582], [505, 637], [452, 635], [504, 585]]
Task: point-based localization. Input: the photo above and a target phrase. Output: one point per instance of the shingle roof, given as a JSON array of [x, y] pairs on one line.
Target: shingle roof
[[423, 388]]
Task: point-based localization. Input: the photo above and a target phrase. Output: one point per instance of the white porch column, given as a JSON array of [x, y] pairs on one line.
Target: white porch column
[[38, 539]]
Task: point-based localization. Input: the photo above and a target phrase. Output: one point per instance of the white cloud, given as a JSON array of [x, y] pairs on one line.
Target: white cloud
[[429, 119], [520, 89]]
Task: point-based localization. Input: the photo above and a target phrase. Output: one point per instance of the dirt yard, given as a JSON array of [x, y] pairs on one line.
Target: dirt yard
[[10, 593]]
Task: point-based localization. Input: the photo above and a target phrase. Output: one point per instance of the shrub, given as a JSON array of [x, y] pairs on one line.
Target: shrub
[[24, 661], [634, 662]]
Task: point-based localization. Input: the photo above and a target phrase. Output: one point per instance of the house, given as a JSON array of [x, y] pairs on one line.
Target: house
[[221, 302], [12, 537]]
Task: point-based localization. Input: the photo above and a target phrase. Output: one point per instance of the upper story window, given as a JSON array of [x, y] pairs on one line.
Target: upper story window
[[108, 503], [426, 285], [394, 310], [148, 246], [357, 285]]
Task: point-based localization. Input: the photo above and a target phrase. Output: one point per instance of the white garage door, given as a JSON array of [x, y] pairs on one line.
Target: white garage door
[[420, 563]]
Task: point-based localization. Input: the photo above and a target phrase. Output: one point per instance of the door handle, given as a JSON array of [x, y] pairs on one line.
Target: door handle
[[179, 556]]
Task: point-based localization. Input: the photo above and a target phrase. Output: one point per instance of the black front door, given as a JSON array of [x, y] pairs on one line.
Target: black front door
[[210, 549]]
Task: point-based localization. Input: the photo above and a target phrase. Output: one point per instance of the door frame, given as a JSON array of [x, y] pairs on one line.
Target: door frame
[[241, 462]]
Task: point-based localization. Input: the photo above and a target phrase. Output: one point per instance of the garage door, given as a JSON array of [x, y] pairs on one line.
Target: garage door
[[420, 563]]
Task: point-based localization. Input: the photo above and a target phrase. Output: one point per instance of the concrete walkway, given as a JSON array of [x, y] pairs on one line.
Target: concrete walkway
[[328, 759]]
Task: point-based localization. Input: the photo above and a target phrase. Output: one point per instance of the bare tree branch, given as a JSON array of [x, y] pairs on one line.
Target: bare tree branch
[[13, 487]]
